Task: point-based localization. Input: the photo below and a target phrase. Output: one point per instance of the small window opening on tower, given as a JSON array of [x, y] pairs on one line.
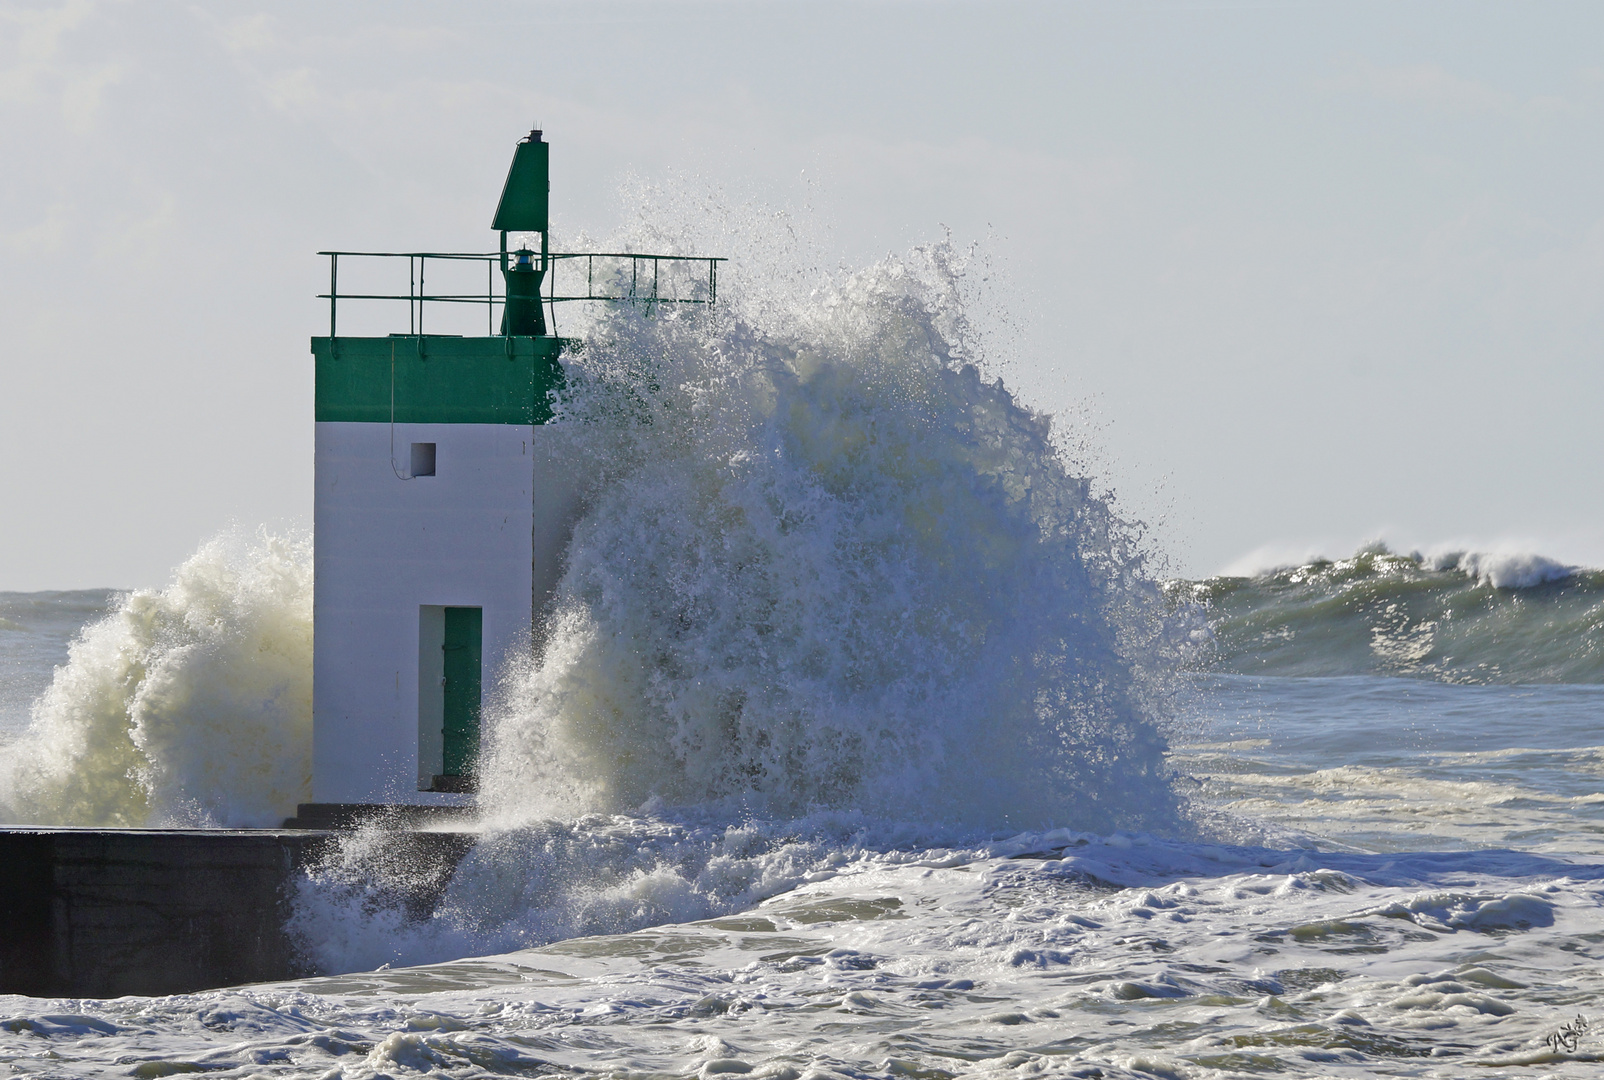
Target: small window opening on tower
[[423, 459]]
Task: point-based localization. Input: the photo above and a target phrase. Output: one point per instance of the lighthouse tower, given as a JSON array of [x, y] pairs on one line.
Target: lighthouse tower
[[442, 509]]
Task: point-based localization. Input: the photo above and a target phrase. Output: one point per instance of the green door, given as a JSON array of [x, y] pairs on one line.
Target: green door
[[464, 644]]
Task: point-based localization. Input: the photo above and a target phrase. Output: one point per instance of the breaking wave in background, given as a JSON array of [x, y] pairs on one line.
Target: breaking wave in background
[[1457, 617]]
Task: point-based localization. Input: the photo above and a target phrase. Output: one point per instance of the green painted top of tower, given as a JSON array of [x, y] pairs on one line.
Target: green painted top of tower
[[525, 198]]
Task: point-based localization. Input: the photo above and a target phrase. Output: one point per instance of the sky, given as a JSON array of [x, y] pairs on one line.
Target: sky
[[1306, 275]]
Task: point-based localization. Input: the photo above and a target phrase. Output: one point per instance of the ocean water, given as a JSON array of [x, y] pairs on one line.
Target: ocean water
[[866, 741]]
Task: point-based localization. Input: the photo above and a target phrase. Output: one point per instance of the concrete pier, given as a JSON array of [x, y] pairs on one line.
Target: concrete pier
[[107, 912]]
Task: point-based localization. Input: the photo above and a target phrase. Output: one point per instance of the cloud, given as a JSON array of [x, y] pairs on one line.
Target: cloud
[[33, 62], [136, 238], [292, 89], [81, 97], [254, 33], [31, 42], [44, 237], [1423, 84]]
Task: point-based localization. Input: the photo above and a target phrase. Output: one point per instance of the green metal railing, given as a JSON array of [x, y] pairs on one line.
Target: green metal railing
[[637, 291]]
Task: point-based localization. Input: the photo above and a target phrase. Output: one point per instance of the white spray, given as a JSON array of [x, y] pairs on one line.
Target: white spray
[[189, 706], [830, 565]]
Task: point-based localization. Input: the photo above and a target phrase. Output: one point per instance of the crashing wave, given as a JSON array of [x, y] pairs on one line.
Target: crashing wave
[[1471, 617], [186, 706]]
